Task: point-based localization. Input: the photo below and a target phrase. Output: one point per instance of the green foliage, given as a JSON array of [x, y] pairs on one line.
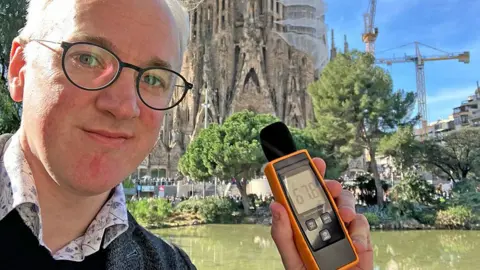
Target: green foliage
[[413, 189], [10, 111], [366, 185], [211, 209], [455, 217], [386, 213], [470, 184], [193, 162], [413, 197], [127, 183], [465, 194], [150, 211], [229, 150], [354, 102], [469, 199], [373, 219], [427, 218], [402, 146], [304, 139], [355, 106], [455, 155], [12, 19]]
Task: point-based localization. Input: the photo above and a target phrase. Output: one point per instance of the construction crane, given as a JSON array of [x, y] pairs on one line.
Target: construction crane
[[370, 34], [419, 61]]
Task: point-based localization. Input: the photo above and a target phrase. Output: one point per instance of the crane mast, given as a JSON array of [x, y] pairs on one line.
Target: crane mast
[[371, 32], [419, 62]]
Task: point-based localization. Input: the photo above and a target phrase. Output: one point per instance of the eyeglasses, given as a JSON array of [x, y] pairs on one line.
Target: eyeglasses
[[91, 67]]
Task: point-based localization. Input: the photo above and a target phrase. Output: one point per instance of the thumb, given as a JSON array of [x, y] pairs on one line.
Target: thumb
[[282, 235]]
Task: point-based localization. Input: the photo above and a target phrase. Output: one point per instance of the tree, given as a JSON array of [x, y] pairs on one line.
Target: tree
[[413, 189], [228, 150], [10, 112], [355, 107], [456, 154], [12, 19], [402, 147], [304, 139]]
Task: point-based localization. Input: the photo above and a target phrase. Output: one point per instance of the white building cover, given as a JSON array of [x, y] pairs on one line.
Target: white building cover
[[304, 28]]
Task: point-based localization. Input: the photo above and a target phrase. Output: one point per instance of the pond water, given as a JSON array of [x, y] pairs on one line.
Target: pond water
[[251, 247]]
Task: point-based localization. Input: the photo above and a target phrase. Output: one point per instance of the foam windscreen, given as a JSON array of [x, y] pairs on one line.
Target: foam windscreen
[[276, 141]]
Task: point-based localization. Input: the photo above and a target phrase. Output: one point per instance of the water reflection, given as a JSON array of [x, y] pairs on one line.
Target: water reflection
[[250, 247], [427, 250], [226, 246]]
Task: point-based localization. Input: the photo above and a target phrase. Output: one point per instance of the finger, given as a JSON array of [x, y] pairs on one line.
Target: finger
[[359, 231], [282, 235], [321, 165], [334, 187], [346, 206]]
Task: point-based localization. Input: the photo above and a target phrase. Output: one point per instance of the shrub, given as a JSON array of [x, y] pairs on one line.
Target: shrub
[[368, 191], [150, 211], [373, 219], [455, 217], [190, 206], [413, 189], [427, 218], [211, 209], [127, 183], [468, 199]]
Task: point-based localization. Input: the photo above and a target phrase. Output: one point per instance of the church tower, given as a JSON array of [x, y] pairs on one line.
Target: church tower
[[258, 55]]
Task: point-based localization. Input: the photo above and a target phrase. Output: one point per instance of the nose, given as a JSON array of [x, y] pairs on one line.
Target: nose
[[120, 99]]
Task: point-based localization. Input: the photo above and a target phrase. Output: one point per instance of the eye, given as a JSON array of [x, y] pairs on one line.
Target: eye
[[88, 60], [153, 80]]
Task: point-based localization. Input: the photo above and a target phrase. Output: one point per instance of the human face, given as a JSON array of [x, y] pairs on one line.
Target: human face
[[89, 141]]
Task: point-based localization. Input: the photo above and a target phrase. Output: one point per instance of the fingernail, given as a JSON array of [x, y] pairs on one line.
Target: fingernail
[[275, 216]]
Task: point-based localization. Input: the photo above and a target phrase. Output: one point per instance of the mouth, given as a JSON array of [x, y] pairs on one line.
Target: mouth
[[108, 138]]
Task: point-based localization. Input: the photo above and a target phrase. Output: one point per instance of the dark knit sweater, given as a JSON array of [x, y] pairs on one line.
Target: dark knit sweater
[[20, 249]]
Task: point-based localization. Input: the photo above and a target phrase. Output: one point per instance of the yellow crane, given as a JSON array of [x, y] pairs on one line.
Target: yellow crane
[[370, 34], [419, 62]]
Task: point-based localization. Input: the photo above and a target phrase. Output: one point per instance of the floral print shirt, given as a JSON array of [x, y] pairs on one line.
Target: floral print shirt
[[18, 192]]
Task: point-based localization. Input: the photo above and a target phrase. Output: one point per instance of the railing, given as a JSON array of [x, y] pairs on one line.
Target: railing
[[155, 181]]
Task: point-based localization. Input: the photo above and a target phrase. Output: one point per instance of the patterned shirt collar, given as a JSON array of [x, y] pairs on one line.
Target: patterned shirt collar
[[18, 192]]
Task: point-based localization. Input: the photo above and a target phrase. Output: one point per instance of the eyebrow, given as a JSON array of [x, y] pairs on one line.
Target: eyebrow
[[105, 43]]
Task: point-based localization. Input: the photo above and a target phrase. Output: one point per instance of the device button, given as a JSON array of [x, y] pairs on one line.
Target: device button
[[326, 218], [311, 224], [325, 234]]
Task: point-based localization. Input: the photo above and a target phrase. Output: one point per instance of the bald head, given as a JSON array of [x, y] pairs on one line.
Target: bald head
[[43, 17]]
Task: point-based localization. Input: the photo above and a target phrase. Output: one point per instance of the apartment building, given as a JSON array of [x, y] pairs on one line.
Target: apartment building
[[467, 114]]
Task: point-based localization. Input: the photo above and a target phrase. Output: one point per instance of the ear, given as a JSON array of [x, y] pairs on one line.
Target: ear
[[16, 71]]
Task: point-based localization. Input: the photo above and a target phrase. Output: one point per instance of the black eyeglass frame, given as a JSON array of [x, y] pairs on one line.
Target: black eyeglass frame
[[67, 45]]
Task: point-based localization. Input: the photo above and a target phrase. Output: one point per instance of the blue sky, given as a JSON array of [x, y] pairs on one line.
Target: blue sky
[[449, 25]]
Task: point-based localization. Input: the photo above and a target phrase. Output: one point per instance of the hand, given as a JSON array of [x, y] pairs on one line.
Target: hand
[[357, 225]]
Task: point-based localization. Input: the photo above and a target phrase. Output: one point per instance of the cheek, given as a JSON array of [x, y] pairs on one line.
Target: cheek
[[151, 120]]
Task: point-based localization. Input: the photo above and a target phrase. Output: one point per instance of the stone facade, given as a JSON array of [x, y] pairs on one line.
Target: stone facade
[[235, 52]]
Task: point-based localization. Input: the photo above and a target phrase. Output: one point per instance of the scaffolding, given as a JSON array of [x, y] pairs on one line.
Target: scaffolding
[[304, 28]]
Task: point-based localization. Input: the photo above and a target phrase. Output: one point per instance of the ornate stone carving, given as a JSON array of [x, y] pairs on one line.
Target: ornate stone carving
[[245, 66]]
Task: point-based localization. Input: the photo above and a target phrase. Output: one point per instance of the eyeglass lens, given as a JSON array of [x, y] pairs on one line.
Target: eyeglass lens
[[92, 68]]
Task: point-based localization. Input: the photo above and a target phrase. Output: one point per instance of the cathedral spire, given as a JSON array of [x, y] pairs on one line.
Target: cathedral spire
[[333, 50], [345, 44]]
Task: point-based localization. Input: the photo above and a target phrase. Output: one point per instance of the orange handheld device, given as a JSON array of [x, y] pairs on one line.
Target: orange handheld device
[[319, 233]]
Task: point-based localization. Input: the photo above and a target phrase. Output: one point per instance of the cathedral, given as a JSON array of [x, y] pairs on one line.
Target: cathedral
[[257, 55]]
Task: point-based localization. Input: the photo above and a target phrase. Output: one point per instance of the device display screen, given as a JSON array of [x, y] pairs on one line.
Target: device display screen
[[305, 191], [312, 207]]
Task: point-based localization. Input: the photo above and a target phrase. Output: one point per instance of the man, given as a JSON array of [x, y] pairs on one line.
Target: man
[[95, 77]]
